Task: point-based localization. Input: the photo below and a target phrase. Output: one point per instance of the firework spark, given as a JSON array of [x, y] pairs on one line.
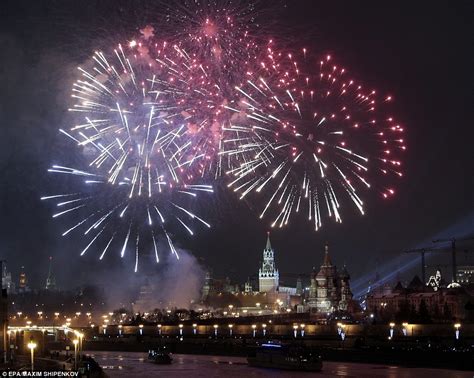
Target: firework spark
[[133, 110], [221, 33], [309, 137]]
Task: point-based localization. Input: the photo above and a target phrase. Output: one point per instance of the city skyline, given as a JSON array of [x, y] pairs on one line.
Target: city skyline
[[435, 194], [236, 187]]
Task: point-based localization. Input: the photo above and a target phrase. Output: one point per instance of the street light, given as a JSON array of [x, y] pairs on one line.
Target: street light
[[80, 335], [230, 329], [159, 329], [75, 342], [140, 329], [264, 326], [302, 329], [295, 330], [120, 329], [180, 329], [343, 332], [215, 329], [32, 346], [254, 329], [194, 328], [405, 328], [456, 332], [391, 330]]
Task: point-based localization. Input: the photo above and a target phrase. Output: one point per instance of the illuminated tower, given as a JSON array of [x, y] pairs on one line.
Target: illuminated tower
[[248, 286], [268, 277], [313, 288], [299, 286], [345, 289], [23, 281], [207, 287], [7, 282], [326, 279], [50, 280]]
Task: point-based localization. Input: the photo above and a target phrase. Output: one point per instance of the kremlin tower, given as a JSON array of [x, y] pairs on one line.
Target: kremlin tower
[[268, 277]]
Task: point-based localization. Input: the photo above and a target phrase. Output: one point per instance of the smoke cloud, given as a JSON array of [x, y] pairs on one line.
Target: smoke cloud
[[177, 285], [170, 283]]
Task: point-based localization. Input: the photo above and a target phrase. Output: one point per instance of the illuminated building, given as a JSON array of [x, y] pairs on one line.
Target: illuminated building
[[23, 282], [248, 286], [465, 274], [329, 290], [299, 286], [268, 277], [207, 288], [437, 302], [7, 282]]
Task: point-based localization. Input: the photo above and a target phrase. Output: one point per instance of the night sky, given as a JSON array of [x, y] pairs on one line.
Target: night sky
[[420, 52]]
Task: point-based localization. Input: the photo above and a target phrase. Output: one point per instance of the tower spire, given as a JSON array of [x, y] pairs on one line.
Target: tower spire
[[50, 262], [269, 245], [268, 277], [50, 280], [327, 259]]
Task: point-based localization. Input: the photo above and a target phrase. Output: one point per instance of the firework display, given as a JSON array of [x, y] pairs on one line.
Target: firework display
[[134, 114], [311, 136], [223, 36], [197, 101]]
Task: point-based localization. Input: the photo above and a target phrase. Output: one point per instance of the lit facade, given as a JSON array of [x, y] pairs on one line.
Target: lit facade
[[465, 274], [439, 302], [268, 276], [329, 289]]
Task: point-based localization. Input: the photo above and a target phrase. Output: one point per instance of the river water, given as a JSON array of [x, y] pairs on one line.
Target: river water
[[134, 364]]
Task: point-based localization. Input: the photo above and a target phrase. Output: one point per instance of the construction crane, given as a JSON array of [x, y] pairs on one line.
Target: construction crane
[[422, 252], [453, 250]]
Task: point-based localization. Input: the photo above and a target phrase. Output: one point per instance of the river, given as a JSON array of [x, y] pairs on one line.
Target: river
[[134, 364]]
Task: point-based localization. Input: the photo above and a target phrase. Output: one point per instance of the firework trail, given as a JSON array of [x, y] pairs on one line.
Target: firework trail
[[133, 110], [309, 137]]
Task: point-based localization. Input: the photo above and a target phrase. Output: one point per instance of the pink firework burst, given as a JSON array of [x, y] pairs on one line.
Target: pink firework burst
[[311, 137]]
